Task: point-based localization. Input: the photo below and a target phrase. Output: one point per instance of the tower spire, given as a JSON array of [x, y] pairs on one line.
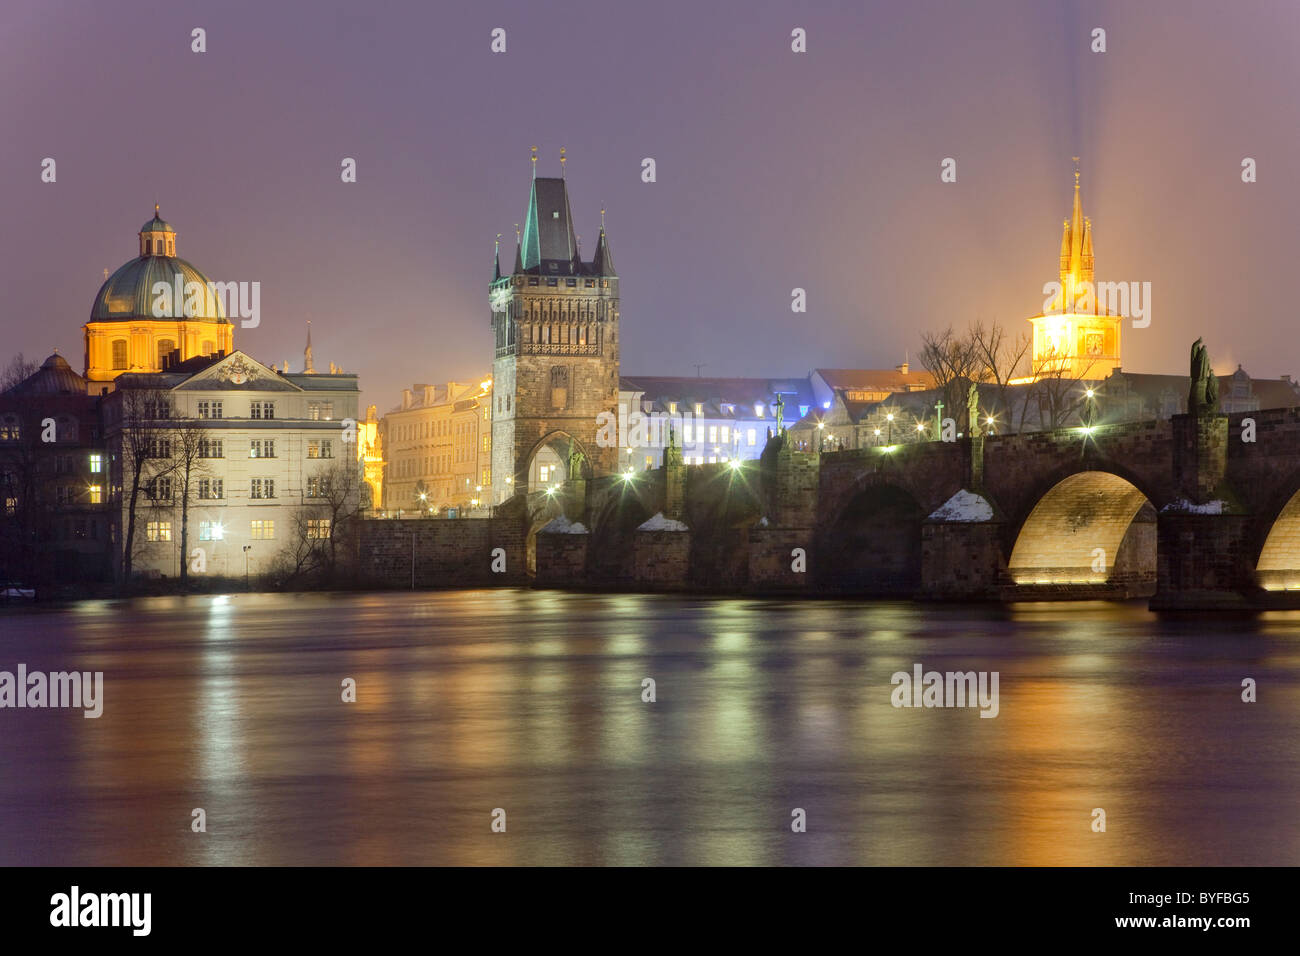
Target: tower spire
[[533, 160], [519, 253], [562, 162], [496, 257], [307, 366]]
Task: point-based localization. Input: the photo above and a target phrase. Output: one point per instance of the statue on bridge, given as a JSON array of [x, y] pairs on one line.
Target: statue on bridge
[[973, 410], [1203, 397], [576, 461]]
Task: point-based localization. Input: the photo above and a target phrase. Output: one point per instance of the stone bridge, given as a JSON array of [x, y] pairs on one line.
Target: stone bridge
[[1194, 512]]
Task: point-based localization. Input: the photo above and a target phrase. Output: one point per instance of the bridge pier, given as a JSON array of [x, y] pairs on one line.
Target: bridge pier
[[781, 543]]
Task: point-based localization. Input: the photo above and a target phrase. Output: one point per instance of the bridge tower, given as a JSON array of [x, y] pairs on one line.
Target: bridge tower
[[556, 369]]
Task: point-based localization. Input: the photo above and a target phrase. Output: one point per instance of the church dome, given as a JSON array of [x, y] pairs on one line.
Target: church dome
[[128, 294], [54, 377]]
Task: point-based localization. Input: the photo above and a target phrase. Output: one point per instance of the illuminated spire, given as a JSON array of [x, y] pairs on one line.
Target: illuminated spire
[[307, 366], [534, 162], [562, 162], [496, 258]]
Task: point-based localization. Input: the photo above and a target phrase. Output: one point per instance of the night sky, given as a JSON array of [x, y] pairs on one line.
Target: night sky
[[775, 170]]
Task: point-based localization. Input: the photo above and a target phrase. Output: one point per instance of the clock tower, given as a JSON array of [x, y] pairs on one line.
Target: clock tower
[[555, 320]]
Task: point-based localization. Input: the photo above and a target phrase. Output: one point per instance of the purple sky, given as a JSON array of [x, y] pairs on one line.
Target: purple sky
[[775, 170]]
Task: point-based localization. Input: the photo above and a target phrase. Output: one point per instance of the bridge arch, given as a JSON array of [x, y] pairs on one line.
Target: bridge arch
[[1088, 529], [547, 462], [1278, 565], [872, 545]]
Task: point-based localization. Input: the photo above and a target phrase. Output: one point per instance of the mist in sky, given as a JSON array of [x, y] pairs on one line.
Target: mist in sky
[[775, 170]]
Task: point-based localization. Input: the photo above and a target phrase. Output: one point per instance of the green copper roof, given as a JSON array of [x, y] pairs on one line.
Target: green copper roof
[[157, 225], [128, 293]]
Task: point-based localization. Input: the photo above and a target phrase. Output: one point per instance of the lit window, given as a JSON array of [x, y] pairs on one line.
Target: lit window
[[261, 530], [672, 408], [726, 434], [96, 464], [752, 436], [699, 408], [713, 433], [158, 530], [758, 411], [211, 531], [262, 488], [687, 432], [96, 494], [318, 527]]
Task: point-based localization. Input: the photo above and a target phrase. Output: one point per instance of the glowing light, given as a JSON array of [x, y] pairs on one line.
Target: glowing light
[[920, 427], [889, 417], [1088, 393], [821, 425], [735, 464]]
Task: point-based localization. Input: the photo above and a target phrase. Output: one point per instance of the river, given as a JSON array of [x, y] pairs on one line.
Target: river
[[531, 703]]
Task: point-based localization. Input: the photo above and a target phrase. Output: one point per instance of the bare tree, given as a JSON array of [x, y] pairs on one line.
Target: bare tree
[[1001, 359], [954, 359], [323, 538], [142, 414], [16, 372], [188, 463]]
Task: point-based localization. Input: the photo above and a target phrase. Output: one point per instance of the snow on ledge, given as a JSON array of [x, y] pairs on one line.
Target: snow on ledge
[[660, 523], [1183, 506], [563, 525], [964, 506]]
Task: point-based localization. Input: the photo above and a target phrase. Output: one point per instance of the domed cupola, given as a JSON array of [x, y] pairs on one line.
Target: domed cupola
[[154, 311], [157, 237]]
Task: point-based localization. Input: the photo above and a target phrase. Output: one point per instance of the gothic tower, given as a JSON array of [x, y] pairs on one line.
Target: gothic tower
[[1077, 336], [555, 318]]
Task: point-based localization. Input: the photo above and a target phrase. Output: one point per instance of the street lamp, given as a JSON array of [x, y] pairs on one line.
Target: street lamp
[[247, 548], [890, 418]]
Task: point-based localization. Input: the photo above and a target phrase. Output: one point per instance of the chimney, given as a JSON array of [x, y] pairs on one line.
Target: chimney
[[428, 394], [406, 398], [903, 368]]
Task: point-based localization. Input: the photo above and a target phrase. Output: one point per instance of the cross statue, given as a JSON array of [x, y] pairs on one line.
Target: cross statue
[[780, 409], [938, 424]]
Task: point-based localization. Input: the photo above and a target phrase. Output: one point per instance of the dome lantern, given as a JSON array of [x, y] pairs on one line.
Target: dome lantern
[[157, 237]]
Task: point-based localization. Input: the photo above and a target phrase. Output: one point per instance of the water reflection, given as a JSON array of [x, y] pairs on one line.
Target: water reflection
[[532, 702]]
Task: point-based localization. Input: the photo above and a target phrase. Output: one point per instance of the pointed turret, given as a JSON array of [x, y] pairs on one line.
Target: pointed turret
[[602, 263], [496, 260], [548, 242], [307, 366], [519, 255]]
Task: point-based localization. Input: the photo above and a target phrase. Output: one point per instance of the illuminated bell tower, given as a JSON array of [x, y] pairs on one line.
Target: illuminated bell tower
[[1076, 337], [556, 370]]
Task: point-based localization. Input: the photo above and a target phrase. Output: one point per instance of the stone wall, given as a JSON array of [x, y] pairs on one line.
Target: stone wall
[[447, 553]]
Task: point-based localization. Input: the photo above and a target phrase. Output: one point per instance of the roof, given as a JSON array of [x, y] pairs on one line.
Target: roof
[[875, 379], [549, 244], [128, 295], [548, 226], [157, 225], [54, 377]]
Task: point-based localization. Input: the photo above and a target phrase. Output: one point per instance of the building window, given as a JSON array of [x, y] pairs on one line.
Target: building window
[[9, 428], [318, 487], [209, 409], [96, 464], [159, 489], [726, 434], [96, 494], [119, 354], [160, 448], [261, 410], [320, 449], [543, 473], [320, 411], [63, 495], [699, 409], [261, 529], [211, 488], [687, 432], [262, 488], [211, 448], [752, 437], [713, 433], [211, 531], [261, 448], [158, 530], [318, 528], [165, 348]]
